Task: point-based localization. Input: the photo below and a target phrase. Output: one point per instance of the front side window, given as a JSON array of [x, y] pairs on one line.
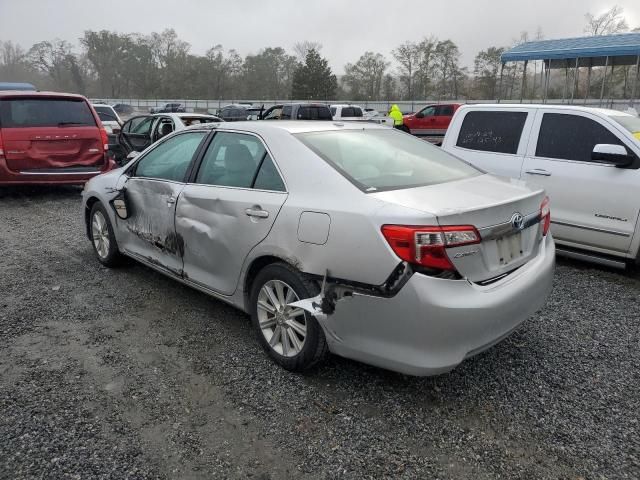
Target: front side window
[[333, 110], [286, 112], [170, 160], [428, 111], [357, 112], [140, 125], [347, 112], [492, 131], [45, 112], [378, 160], [571, 137]]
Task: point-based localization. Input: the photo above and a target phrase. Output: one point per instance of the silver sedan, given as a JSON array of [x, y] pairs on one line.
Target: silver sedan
[[355, 239]]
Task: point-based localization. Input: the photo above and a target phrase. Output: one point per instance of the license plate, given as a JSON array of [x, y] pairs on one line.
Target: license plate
[[509, 248]]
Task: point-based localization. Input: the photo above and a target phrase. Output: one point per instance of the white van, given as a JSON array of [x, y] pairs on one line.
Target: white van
[[587, 160]]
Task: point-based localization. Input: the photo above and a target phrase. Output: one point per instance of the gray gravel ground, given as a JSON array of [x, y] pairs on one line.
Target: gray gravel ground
[[127, 374]]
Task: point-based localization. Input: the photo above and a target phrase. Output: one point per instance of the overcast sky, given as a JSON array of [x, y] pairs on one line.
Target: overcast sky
[[346, 28]]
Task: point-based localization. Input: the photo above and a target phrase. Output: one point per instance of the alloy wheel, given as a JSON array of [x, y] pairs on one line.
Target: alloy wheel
[[284, 327], [100, 234]]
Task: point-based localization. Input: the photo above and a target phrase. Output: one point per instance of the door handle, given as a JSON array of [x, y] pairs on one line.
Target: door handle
[[170, 201], [256, 211], [539, 171]]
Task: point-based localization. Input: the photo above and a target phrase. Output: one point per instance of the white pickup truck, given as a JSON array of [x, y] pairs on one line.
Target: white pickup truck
[[355, 113], [587, 159]]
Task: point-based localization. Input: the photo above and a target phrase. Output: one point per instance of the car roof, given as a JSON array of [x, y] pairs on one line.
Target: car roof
[[574, 108], [28, 93], [183, 115], [291, 126]]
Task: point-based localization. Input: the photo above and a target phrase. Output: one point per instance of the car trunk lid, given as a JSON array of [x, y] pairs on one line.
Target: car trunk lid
[[505, 212]]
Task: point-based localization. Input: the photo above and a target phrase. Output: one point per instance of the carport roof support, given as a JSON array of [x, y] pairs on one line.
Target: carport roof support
[[619, 45]]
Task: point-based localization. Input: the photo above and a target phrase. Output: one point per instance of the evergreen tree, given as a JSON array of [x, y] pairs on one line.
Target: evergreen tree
[[313, 79]]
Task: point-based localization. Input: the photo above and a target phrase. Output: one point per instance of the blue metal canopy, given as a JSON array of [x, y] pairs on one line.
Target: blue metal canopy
[[619, 45]]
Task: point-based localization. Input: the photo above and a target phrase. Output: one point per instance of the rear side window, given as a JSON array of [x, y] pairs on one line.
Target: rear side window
[[444, 110], [45, 112], [333, 110], [357, 112], [315, 113], [571, 137], [347, 112], [498, 132]]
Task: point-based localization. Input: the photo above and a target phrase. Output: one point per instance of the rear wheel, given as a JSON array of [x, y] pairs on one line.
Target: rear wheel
[[102, 236], [291, 336], [404, 128]]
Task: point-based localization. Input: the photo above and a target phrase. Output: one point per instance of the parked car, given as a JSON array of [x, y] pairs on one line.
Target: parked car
[[139, 132], [354, 238], [354, 113], [109, 118], [124, 109], [431, 122], [235, 113], [50, 138], [587, 159], [17, 86], [298, 111], [169, 108]]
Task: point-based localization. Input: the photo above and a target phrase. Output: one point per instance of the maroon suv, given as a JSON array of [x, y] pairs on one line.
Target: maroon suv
[[50, 138]]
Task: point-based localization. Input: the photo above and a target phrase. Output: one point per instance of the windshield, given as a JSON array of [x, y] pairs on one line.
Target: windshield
[[629, 122], [378, 160], [45, 112]]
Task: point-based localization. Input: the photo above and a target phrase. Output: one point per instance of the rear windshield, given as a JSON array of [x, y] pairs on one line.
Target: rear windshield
[[314, 113], [379, 160], [629, 122], [106, 114], [44, 112]]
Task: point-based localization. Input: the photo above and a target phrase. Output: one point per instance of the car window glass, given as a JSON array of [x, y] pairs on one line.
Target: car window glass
[[170, 159], [141, 125], [571, 137], [428, 111], [333, 110], [286, 112], [492, 131], [445, 110], [268, 177], [231, 160], [44, 112], [315, 113], [357, 112], [347, 112]]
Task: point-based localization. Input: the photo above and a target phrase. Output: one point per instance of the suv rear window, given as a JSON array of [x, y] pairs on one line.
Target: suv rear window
[[492, 131], [314, 113], [385, 159], [44, 112]]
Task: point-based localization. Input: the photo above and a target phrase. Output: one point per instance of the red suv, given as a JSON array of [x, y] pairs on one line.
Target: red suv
[[431, 122], [50, 138]]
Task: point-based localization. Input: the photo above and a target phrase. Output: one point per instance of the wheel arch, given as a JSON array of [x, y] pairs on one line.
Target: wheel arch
[[91, 201], [256, 265]]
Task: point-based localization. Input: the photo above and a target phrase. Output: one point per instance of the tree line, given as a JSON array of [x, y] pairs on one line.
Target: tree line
[[161, 65]]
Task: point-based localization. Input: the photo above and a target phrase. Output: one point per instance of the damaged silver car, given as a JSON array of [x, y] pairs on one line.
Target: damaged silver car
[[346, 238]]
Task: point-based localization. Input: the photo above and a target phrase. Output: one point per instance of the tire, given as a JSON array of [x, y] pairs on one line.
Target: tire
[[311, 347], [403, 128], [102, 237]]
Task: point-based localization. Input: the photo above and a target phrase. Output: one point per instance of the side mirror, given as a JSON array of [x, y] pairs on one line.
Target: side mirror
[[419, 115], [615, 154], [132, 155]]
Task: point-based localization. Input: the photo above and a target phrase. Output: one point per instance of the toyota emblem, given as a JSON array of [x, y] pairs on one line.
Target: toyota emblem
[[517, 221]]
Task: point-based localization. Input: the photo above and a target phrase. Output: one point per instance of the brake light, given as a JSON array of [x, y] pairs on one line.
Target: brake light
[[426, 246], [545, 215], [1, 146], [105, 138]]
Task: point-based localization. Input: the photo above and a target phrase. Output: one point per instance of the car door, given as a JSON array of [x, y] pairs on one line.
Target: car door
[[593, 204], [151, 192], [236, 195], [493, 140], [135, 134], [423, 121]]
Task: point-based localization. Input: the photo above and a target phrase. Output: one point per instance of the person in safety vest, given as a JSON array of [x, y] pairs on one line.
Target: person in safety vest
[[396, 114]]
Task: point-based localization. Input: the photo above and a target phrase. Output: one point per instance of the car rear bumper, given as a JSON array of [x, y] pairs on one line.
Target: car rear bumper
[[53, 176], [433, 324]]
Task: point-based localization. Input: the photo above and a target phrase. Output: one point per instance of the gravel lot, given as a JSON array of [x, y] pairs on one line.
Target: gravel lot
[[127, 374]]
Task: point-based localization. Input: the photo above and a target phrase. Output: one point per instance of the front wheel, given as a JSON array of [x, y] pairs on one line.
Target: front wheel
[[102, 236], [291, 336]]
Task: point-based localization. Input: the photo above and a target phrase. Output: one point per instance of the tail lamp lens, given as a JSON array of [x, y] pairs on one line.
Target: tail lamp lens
[[426, 246], [105, 138], [545, 215]]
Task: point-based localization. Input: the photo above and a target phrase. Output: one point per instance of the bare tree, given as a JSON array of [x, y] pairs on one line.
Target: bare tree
[[408, 56], [302, 49], [611, 21]]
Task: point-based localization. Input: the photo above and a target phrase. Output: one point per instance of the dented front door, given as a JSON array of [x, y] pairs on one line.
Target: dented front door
[[151, 232], [151, 194]]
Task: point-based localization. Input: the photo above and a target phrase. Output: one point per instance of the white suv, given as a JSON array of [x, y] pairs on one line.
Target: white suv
[[587, 160]]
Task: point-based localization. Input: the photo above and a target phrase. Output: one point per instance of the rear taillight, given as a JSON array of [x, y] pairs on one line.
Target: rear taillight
[[545, 215], [426, 246], [1, 147], [105, 138]]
